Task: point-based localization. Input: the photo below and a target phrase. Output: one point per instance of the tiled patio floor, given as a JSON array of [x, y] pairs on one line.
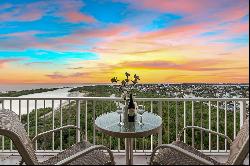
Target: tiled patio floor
[[119, 159]]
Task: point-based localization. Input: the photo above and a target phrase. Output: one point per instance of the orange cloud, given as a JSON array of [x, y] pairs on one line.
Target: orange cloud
[[38, 63], [198, 65]]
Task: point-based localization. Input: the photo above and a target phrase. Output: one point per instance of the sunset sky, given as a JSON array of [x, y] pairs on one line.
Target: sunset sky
[[90, 41]]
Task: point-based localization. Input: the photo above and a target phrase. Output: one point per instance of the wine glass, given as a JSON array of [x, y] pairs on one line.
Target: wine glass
[[140, 111], [120, 111]]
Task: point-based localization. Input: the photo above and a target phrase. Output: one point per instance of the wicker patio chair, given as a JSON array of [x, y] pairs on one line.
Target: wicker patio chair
[[82, 153], [179, 153]]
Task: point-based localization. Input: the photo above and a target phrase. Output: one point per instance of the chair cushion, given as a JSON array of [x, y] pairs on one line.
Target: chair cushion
[[167, 156], [95, 157]]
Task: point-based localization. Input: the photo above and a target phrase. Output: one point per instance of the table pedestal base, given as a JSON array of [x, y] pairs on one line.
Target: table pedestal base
[[129, 151]]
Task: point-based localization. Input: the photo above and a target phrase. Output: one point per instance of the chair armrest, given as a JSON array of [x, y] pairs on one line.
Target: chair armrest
[[206, 130], [178, 149], [86, 151], [54, 130]]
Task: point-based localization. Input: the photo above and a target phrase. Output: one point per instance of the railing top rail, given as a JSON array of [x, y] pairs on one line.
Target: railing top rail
[[120, 99]]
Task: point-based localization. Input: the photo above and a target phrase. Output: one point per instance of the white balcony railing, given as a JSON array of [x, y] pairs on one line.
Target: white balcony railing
[[40, 114]]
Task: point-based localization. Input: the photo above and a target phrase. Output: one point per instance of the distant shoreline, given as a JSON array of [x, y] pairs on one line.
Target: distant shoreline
[[71, 84], [30, 86], [20, 87]]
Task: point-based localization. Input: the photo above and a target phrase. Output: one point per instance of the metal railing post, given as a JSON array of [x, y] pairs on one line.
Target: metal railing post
[[192, 123], [53, 125], [86, 120], [160, 114], [151, 137], [36, 122], [209, 125], [94, 114], [3, 105], [78, 114], [242, 112], [185, 120]]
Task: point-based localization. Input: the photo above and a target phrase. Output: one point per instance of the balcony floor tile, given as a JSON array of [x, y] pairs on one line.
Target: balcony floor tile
[[119, 159]]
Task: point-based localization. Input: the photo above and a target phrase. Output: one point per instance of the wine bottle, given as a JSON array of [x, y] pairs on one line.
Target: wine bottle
[[125, 113], [131, 109]]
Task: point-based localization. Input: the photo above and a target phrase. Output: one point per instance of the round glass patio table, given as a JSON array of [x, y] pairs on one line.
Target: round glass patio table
[[109, 124]]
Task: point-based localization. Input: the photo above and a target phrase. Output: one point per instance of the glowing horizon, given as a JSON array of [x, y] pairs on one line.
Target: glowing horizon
[[91, 41]]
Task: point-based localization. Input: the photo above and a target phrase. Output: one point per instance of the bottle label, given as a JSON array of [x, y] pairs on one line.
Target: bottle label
[[131, 112]]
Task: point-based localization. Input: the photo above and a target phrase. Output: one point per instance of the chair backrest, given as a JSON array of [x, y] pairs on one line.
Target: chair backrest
[[11, 127], [240, 146]]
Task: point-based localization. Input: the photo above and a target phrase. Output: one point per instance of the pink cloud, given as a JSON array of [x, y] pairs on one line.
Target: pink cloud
[[235, 12], [178, 31], [20, 40], [222, 10], [204, 16], [25, 12], [24, 40], [69, 10], [29, 12], [153, 42], [237, 28], [78, 17], [58, 75], [181, 6], [109, 32], [179, 34], [5, 61], [79, 37], [79, 74], [5, 6]]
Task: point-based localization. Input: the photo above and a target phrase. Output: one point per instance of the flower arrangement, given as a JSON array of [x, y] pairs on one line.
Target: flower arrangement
[[125, 87]]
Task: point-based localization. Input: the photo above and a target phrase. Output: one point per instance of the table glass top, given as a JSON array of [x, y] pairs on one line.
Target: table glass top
[[110, 122]]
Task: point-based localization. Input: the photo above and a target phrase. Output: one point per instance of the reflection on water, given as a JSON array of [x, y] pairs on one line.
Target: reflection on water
[[40, 103], [19, 87]]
